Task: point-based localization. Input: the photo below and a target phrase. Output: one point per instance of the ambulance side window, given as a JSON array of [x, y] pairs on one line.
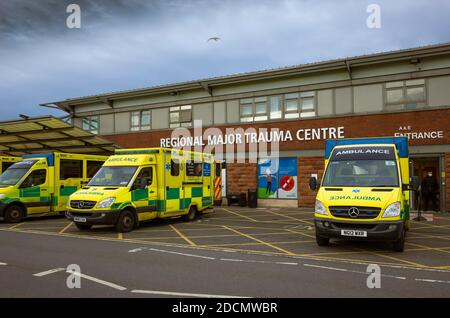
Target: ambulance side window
[[193, 169], [35, 178], [92, 168], [145, 174], [71, 169], [174, 168], [218, 169]]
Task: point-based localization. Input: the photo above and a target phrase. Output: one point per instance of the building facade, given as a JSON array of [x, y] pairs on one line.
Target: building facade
[[404, 92]]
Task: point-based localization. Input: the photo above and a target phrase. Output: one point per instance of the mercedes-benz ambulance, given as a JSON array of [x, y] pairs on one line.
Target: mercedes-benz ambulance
[[136, 185], [365, 191], [41, 184]]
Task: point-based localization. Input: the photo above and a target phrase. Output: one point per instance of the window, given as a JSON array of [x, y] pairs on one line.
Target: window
[[275, 107], [405, 94], [193, 169], [299, 105], [91, 124], [93, 167], [70, 169], [35, 178], [253, 109], [145, 176], [140, 120], [180, 116], [6, 165], [174, 168]]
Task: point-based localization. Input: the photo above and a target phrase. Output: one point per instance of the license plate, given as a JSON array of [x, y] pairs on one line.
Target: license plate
[[78, 219], [353, 233]]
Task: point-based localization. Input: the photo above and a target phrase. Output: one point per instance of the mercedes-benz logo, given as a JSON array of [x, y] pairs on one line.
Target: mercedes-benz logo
[[80, 204], [353, 212]]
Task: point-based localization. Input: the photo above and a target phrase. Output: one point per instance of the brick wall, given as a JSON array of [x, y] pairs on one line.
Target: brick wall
[[241, 177], [447, 182], [306, 167]]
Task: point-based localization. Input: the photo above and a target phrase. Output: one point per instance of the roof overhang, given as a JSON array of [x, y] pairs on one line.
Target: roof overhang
[[47, 134]]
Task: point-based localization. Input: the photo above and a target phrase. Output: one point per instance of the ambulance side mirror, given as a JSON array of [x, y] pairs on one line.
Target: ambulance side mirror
[[415, 183], [313, 183]]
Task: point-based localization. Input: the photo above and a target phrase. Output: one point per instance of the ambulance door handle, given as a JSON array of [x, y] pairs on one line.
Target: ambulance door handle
[[209, 187], [62, 186], [167, 188], [152, 191]]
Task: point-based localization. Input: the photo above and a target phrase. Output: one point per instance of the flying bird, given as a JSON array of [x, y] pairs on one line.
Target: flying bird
[[216, 39]]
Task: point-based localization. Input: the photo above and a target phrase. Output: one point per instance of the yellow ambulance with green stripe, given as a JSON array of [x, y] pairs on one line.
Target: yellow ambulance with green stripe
[[137, 185], [365, 191], [7, 161], [41, 184]]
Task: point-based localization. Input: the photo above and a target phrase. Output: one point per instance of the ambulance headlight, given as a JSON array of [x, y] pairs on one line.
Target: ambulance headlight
[[2, 195], [320, 208], [392, 210], [106, 203]]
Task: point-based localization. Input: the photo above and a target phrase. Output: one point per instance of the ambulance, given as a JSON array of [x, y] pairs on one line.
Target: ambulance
[[7, 161], [41, 184], [136, 185], [365, 191]]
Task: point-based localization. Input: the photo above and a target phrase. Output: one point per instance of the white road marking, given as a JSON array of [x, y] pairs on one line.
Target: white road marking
[[255, 261], [326, 267], [51, 271], [3, 264], [352, 271], [183, 254], [158, 292], [432, 280], [137, 250], [96, 280]]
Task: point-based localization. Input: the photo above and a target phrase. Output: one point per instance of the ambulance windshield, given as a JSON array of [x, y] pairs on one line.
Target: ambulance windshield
[[115, 176], [14, 173], [361, 173]]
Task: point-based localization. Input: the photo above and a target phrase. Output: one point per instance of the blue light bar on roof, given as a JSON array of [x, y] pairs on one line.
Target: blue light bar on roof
[[401, 143], [50, 157]]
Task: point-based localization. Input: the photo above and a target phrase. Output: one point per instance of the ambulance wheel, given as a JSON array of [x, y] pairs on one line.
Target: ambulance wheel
[[322, 241], [191, 214], [14, 214], [399, 245], [83, 227], [126, 222]]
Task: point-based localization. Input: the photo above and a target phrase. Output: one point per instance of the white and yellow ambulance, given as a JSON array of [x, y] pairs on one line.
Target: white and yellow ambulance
[[365, 191], [137, 185], [41, 184], [7, 161]]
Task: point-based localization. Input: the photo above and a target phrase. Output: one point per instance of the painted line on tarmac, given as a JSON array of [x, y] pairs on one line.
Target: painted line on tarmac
[[97, 280], [168, 293], [50, 271], [351, 271], [3, 264], [432, 280], [182, 254], [256, 261]]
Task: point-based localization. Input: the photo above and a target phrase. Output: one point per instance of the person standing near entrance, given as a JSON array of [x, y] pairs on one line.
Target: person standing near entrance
[[269, 181], [429, 191]]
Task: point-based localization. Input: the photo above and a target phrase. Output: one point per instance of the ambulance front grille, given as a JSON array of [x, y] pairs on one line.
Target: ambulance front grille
[[82, 204], [363, 212]]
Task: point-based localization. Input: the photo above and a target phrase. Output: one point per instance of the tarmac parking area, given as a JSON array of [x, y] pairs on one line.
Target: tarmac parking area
[[265, 231]]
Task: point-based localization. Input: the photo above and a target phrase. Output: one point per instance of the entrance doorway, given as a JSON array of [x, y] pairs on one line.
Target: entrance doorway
[[428, 169]]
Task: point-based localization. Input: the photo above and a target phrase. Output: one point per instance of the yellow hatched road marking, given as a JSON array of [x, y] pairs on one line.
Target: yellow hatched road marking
[[240, 215], [120, 236], [182, 235], [258, 240], [442, 249], [65, 228], [292, 218]]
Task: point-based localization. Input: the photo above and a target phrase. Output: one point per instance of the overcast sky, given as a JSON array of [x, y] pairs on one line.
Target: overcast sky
[[127, 44]]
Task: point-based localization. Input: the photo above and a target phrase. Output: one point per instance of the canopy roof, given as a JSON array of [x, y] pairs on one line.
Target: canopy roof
[[46, 134]]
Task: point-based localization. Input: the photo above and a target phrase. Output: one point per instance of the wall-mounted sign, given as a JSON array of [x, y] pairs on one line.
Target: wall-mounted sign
[[407, 131], [277, 178]]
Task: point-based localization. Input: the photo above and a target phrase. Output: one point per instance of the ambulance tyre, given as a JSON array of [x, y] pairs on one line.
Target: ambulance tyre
[[14, 213], [191, 214], [83, 227], [126, 222], [399, 245], [322, 241]]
